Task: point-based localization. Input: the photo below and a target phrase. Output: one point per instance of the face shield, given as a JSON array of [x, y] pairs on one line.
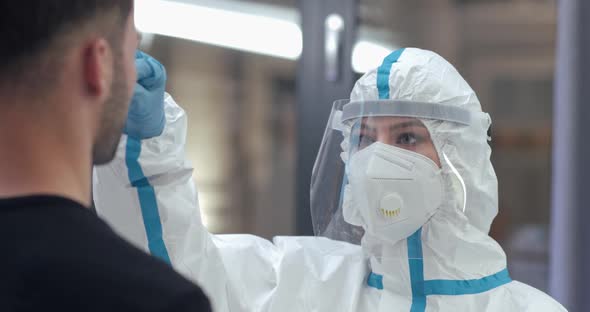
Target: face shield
[[379, 169]]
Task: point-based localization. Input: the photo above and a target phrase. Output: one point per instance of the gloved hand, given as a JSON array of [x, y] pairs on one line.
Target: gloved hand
[[146, 118]]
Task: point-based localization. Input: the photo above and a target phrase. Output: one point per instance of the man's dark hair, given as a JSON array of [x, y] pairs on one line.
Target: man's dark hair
[[34, 31]]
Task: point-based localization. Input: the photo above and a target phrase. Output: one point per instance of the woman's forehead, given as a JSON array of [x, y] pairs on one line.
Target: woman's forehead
[[390, 122]]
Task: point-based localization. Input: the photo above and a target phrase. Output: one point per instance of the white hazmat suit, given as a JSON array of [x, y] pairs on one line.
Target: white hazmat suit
[[447, 263]]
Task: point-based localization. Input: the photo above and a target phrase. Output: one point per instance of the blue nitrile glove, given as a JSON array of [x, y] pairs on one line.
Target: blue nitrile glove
[[146, 118]]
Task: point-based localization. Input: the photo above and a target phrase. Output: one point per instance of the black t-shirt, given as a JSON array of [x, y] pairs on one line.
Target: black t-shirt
[[56, 255]]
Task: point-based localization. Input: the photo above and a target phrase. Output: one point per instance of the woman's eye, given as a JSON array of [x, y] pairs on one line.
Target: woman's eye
[[407, 139]]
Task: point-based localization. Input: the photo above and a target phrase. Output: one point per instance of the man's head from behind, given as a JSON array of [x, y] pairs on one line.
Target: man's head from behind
[[72, 59]]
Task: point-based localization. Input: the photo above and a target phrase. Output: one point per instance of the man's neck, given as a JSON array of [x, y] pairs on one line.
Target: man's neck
[[41, 156]]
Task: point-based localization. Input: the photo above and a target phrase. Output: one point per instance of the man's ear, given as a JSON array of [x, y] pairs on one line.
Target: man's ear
[[97, 65]]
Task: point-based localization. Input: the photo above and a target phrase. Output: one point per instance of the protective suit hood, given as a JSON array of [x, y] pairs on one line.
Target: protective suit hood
[[424, 76], [415, 83]]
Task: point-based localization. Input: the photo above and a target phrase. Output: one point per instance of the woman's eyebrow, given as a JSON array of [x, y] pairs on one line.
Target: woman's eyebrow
[[407, 124]]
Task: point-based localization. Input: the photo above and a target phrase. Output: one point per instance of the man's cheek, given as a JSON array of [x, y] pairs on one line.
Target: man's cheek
[[131, 78], [131, 70]]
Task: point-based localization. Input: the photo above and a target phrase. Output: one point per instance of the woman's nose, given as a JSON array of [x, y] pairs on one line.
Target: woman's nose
[[384, 137]]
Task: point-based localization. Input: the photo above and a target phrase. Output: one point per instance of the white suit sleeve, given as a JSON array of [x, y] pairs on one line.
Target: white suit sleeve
[[147, 195]]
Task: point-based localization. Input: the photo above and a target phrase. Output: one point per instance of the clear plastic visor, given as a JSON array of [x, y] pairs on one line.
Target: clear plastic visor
[[355, 126]]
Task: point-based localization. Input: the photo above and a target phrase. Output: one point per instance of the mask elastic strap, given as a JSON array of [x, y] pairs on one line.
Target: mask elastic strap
[[456, 172]]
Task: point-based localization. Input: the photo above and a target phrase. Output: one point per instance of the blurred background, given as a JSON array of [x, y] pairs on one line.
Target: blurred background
[[258, 77]]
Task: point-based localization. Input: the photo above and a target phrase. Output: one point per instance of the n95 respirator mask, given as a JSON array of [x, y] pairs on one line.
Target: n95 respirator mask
[[391, 192]]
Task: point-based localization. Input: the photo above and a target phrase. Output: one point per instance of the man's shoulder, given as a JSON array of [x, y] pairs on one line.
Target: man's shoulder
[[125, 276], [105, 257], [78, 260]]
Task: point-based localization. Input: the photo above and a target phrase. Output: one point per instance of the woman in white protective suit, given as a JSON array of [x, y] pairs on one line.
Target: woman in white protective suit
[[404, 170]]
